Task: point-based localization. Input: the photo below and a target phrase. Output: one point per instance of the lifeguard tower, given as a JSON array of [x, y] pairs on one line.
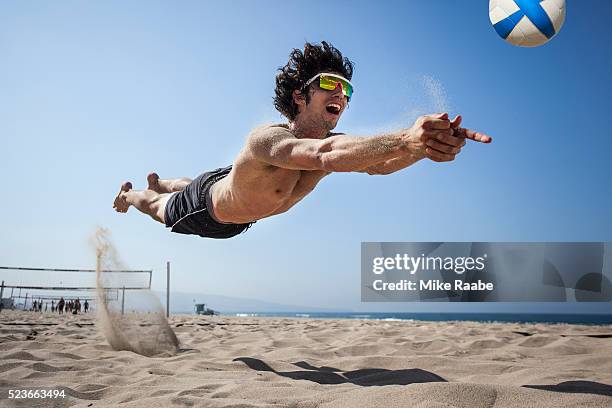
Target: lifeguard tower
[[201, 309]]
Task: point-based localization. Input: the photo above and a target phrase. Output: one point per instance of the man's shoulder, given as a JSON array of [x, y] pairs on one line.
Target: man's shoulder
[[271, 131]]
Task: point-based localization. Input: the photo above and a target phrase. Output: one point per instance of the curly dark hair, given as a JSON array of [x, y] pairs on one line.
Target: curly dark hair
[[301, 67]]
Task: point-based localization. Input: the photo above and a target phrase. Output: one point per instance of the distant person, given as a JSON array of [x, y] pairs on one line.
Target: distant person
[[60, 305], [52, 306], [40, 305], [77, 306], [282, 163], [46, 304], [34, 305], [85, 306]]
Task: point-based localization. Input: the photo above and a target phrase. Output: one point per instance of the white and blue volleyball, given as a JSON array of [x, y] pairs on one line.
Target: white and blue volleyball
[[527, 23]]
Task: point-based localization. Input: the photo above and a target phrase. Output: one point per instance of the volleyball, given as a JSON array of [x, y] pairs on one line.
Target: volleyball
[[527, 23]]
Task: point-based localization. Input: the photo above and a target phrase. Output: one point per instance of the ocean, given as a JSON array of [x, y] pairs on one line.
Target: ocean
[[587, 319]]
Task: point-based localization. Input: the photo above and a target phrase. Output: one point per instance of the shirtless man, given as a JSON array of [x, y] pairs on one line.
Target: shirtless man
[[280, 164]]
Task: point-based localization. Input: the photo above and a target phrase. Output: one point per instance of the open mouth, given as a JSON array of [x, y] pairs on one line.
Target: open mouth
[[333, 108]]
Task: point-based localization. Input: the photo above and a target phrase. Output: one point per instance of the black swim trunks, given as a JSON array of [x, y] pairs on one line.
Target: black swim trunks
[[187, 211]]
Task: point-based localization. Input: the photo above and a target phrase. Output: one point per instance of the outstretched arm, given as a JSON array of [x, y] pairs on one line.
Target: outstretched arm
[[432, 136], [442, 149], [279, 147]]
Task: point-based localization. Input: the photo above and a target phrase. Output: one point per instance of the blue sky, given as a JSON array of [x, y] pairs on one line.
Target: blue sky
[[96, 93]]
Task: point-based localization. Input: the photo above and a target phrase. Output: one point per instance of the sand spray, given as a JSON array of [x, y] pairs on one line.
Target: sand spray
[[144, 329], [437, 94]]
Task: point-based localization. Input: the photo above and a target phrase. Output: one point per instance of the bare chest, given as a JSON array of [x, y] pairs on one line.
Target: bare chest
[[259, 193], [285, 184]]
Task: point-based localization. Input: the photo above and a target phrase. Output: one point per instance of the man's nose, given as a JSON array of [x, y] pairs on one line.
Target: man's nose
[[338, 90]]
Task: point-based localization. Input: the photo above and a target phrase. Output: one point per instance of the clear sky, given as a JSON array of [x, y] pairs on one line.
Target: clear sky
[[94, 93]]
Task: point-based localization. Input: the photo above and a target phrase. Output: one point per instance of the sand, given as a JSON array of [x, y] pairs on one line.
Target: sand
[[303, 362], [145, 331]]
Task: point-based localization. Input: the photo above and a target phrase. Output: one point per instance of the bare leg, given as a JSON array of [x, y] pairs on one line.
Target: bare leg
[[146, 201], [166, 185]]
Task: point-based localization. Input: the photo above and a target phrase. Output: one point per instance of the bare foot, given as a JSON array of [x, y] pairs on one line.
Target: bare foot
[[155, 185], [162, 186], [121, 205]]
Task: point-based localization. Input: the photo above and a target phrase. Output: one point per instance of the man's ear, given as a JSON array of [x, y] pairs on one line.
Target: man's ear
[[298, 98]]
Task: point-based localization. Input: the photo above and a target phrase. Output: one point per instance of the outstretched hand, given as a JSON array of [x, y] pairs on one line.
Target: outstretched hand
[[442, 139], [467, 133]]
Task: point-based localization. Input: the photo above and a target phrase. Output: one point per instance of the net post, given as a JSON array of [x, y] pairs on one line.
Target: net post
[[1, 293], [168, 289], [25, 302], [123, 301]]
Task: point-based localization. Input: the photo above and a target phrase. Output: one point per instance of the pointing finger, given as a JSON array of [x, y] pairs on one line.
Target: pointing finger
[[476, 136]]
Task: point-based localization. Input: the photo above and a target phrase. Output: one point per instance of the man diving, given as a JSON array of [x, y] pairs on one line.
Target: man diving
[[281, 163]]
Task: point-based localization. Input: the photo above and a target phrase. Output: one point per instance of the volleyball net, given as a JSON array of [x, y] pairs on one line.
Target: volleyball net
[[23, 285]]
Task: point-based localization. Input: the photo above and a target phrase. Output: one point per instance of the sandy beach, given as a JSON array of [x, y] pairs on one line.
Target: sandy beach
[[303, 362]]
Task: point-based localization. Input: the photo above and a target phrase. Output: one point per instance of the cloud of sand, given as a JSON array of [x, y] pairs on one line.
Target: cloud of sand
[[144, 329], [436, 92]]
